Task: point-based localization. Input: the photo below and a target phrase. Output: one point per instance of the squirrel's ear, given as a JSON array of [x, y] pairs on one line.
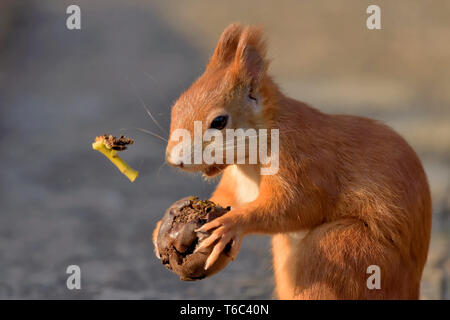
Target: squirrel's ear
[[227, 45], [250, 59]]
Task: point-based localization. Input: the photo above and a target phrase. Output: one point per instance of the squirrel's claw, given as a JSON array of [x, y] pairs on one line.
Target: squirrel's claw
[[226, 231], [208, 226], [208, 241]]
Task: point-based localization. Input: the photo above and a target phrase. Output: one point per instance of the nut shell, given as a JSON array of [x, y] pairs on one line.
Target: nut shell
[[177, 239]]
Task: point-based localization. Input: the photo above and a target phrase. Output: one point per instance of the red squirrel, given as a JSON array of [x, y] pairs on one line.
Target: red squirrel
[[349, 193]]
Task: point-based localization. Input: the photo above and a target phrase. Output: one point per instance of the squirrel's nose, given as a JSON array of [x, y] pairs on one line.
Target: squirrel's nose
[[173, 161]]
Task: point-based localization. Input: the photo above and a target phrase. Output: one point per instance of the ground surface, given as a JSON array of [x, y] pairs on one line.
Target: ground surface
[[64, 204]]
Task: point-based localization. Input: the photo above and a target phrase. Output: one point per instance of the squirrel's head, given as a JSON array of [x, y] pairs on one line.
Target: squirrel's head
[[227, 96]]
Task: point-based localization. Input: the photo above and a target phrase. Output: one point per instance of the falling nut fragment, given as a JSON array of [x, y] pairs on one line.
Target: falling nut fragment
[[108, 145], [112, 142]]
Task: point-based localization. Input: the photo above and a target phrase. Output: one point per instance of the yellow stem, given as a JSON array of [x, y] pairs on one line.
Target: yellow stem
[[111, 154]]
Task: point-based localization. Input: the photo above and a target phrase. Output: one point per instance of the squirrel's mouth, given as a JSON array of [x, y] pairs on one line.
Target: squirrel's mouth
[[213, 170]]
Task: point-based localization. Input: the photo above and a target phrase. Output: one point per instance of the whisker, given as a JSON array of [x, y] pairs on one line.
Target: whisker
[[160, 167], [153, 118], [150, 77], [146, 131], [145, 107]]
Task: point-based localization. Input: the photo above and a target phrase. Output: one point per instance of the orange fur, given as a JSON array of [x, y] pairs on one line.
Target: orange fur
[[352, 184]]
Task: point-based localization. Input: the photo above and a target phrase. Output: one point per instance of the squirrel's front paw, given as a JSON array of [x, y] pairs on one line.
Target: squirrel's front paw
[[226, 230]]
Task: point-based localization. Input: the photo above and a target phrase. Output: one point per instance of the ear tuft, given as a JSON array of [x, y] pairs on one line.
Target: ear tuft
[[227, 45], [250, 59]]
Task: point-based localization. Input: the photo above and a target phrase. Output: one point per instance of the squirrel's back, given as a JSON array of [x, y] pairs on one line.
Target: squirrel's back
[[360, 168]]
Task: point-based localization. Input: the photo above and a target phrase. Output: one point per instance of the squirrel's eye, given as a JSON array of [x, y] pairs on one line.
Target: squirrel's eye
[[219, 122]]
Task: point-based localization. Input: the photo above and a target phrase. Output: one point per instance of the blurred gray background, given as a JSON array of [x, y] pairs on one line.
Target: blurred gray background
[[63, 204]]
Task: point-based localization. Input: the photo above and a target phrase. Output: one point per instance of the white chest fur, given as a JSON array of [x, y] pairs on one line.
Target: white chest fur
[[298, 236], [246, 180]]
